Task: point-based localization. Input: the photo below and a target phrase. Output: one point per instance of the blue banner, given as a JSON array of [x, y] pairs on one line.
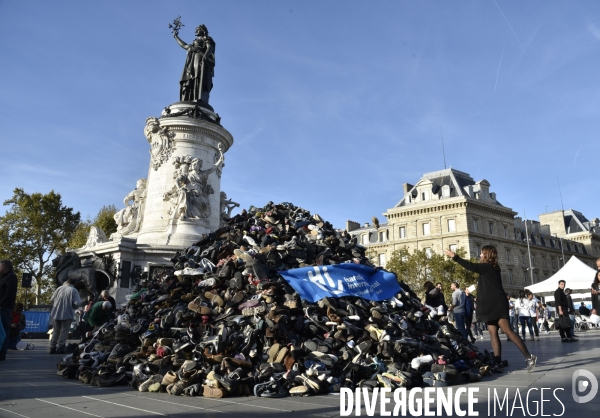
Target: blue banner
[[36, 321], [318, 282]]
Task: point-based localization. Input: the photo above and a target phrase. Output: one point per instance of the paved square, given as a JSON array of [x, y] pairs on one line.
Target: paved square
[[30, 388]]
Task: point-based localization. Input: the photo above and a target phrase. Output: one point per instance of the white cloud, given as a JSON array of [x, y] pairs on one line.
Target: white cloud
[[594, 30]]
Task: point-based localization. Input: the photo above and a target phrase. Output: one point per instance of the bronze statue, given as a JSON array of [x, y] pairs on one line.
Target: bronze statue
[[69, 266], [196, 80]]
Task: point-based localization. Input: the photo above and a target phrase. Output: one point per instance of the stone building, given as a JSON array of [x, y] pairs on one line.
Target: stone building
[[449, 209]]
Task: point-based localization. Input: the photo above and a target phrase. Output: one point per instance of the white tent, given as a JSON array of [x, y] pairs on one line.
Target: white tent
[[578, 275]]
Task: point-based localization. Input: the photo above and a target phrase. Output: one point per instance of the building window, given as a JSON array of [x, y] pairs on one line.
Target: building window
[[477, 251], [381, 260], [383, 236], [428, 252], [533, 260], [475, 225], [424, 196], [446, 191], [491, 228], [453, 248], [535, 277], [426, 228], [508, 256], [451, 225], [402, 232], [553, 260], [510, 276], [365, 239], [505, 228]]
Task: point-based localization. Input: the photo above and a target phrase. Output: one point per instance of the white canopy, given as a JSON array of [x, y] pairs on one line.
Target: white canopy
[[578, 275]]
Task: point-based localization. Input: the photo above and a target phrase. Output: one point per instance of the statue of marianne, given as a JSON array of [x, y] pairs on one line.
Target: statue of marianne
[[196, 80]]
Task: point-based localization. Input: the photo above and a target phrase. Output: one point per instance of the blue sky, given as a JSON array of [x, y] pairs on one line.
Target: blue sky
[[332, 105]]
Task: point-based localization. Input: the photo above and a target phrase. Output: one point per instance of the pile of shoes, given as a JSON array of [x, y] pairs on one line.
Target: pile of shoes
[[223, 322]]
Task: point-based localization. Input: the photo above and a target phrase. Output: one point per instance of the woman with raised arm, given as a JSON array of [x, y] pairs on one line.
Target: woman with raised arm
[[492, 305]]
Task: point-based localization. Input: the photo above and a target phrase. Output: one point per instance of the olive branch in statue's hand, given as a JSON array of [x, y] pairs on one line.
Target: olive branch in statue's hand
[[176, 25]]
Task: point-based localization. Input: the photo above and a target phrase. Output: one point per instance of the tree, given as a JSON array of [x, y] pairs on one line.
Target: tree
[[105, 220], [34, 230], [416, 268], [80, 235]]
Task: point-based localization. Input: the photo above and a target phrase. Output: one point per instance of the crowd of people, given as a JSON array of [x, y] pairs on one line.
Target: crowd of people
[[526, 313]]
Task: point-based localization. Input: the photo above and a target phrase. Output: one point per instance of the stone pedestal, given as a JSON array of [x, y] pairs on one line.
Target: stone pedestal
[[189, 137], [127, 256], [178, 202]]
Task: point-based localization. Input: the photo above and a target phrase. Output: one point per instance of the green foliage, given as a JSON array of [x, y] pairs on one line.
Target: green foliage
[[416, 268], [34, 230], [104, 220], [79, 237]]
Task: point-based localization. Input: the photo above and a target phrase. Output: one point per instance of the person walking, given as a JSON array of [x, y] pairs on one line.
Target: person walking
[[477, 326], [524, 305], [64, 302], [458, 308], [8, 297], [492, 306], [571, 310], [543, 317], [469, 309], [511, 316], [562, 309]]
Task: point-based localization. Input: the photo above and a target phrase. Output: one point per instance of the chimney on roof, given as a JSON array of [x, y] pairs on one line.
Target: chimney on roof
[[351, 226]]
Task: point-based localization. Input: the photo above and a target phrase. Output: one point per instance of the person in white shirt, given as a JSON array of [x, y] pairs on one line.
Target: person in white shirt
[[524, 305], [543, 317], [594, 318]]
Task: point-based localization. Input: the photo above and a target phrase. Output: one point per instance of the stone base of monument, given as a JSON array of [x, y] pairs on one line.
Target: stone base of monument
[[130, 260]]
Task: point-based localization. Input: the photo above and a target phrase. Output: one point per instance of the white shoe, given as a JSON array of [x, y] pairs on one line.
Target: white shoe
[[157, 378], [481, 337], [417, 361]]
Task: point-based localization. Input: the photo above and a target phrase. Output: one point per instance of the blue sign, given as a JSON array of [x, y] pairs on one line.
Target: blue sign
[[318, 282], [36, 321]]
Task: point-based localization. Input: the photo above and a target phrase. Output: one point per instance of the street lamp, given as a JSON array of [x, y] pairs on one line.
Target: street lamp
[[530, 269]]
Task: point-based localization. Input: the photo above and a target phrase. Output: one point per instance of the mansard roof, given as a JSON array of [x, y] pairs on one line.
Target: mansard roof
[[575, 222], [457, 181]]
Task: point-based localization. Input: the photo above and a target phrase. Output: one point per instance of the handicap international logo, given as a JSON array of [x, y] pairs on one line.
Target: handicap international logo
[[318, 282], [582, 382]]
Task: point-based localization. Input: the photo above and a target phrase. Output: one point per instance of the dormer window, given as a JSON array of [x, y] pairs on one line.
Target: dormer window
[[445, 191]]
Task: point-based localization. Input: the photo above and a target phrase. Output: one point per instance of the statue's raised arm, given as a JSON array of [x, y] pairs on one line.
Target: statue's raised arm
[[198, 71]]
